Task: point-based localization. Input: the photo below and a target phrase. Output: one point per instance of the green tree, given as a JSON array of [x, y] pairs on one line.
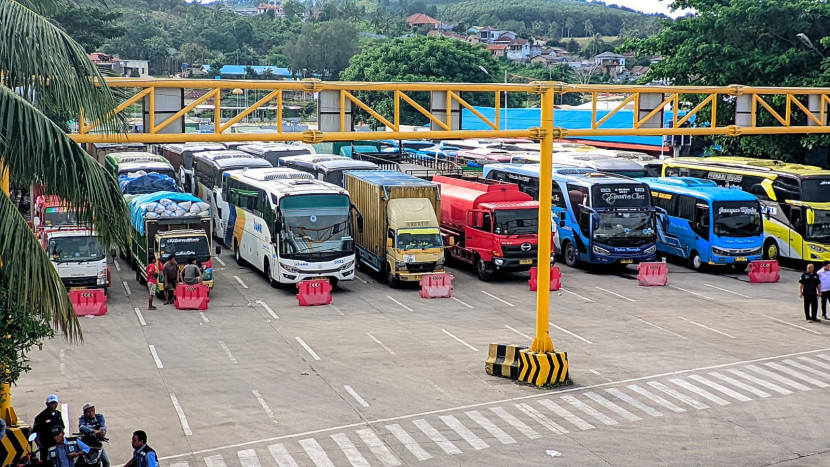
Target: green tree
[[589, 28], [420, 58], [35, 151], [569, 24], [90, 26], [293, 9], [156, 50], [323, 48], [194, 54], [749, 42]]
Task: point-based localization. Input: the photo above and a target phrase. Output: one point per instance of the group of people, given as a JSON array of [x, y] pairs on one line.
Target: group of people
[[190, 274], [54, 447], [812, 286]]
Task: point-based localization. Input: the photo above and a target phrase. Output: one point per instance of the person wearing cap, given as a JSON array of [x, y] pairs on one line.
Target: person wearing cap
[[45, 421], [143, 454], [93, 424], [62, 452]]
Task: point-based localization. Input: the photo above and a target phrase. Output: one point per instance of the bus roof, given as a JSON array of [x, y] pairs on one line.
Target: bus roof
[[231, 163], [267, 174], [119, 157], [702, 188], [262, 148], [302, 184], [582, 175], [314, 158], [389, 178], [750, 164], [220, 154], [144, 165]]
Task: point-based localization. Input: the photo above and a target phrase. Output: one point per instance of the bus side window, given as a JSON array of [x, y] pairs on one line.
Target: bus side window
[[487, 223], [557, 199], [786, 188], [585, 223]]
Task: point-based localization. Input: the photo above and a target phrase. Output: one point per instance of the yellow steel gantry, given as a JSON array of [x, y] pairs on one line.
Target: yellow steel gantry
[[793, 111]]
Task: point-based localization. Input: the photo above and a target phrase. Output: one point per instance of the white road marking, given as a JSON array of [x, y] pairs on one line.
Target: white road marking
[[778, 378], [807, 369], [760, 381], [701, 392], [360, 279], [569, 332], [180, 464], [719, 387], [573, 419], [117, 266], [156, 357], [400, 304], [436, 437], [215, 461], [800, 376], [633, 402], [589, 410], [408, 442], [248, 458], [204, 316], [384, 455], [65, 416], [497, 298], [140, 316], [384, 346], [736, 383], [612, 407], [308, 349], [337, 310], [515, 423], [661, 328], [576, 294], [690, 292], [595, 372], [281, 455], [228, 352], [62, 357], [244, 285], [815, 362], [490, 427], [264, 405], [519, 332], [463, 303], [267, 308], [655, 398], [220, 261], [728, 291], [823, 357], [356, 396], [678, 395], [468, 436], [459, 340], [541, 418], [180, 413], [616, 294], [127, 287], [316, 452], [351, 452], [706, 327], [793, 325]]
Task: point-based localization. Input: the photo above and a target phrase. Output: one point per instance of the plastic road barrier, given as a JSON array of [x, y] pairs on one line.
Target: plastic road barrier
[[651, 274], [436, 285], [314, 292], [88, 302], [764, 271], [192, 297], [555, 278]]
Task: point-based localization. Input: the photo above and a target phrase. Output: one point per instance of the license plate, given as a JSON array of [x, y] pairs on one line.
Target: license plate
[[77, 288], [318, 278], [740, 259], [525, 261], [626, 261]]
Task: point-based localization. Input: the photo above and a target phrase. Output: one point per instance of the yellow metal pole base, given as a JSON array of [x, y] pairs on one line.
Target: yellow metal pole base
[[543, 368], [7, 412], [542, 345]]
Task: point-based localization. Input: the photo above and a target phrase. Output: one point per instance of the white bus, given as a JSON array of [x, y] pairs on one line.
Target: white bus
[[290, 229], [273, 152]]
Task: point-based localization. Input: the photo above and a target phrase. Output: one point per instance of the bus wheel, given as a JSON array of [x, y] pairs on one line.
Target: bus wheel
[[771, 250], [695, 262], [570, 254], [484, 274], [237, 254], [273, 283], [740, 267]]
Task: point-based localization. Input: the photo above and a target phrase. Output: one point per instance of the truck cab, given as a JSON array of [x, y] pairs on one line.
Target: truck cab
[[79, 258], [183, 244], [413, 241]]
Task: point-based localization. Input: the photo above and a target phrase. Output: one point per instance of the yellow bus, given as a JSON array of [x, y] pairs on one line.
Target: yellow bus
[[795, 200]]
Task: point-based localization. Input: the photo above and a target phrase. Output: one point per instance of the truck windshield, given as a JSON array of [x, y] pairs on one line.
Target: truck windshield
[[56, 217], [737, 219], [185, 247], [815, 190], [819, 230], [516, 221], [419, 239], [625, 228], [317, 226], [75, 249]]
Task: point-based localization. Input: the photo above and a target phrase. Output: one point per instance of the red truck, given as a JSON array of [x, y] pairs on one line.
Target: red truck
[[489, 224]]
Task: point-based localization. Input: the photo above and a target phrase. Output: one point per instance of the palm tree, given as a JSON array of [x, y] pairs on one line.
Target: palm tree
[[44, 71]]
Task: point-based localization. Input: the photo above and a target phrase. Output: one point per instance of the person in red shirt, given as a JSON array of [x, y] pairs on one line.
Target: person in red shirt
[[152, 281]]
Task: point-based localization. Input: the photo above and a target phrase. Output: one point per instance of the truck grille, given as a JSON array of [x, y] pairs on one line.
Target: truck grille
[[420, 267], [515, 251], [79, 281]]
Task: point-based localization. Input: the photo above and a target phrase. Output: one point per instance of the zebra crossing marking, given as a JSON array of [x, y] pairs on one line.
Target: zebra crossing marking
[[215, 461], [760, 381], [349, 449], [378, 448], [436, 437], [408, 442], [655, 398], [738, 384], [515, 423], [612, 406], [589, 410], [719, 387], [470, 437], [815, 362], [541, 419], [558, 410], [316, 452], [778, 378], [490, 427], [248, 458], [796, 374], [281, 455], [701, 392], [678, 395], [633, 402]]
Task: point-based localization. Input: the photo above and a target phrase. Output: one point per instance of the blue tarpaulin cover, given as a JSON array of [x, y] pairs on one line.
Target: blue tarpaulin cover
[[146, 183], [138, 205]]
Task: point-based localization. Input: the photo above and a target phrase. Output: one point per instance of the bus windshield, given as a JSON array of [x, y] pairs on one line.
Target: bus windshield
[[185, 247], [737, 219], [516, 221], [316, 225], [819, 230], [620, 196], [75, 249], [625, 228], [412, 239], [815, 190]]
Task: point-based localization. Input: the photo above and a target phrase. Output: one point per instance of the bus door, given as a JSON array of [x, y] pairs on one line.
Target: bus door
[[798, 218]]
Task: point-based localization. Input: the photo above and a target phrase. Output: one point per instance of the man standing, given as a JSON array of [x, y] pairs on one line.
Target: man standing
[[93, 424], [810, 289], [152, 280], [171, 276], [45, 421], [192, 273], [824, 277], [62, 453], [144, 455]]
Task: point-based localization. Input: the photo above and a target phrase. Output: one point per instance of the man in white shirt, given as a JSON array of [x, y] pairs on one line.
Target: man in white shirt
[[824, 276]]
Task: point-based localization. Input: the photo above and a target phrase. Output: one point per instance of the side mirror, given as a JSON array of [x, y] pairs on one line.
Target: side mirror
[[766, 214], [561, 222], [218, 250], [36, 222], [277, 227], [112, 253], [360, 223], [389, 243], [151, 254]]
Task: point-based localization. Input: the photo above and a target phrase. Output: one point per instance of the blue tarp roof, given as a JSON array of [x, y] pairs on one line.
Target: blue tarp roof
[[239, 70], [149, 183], [519, 119], [137, 213]]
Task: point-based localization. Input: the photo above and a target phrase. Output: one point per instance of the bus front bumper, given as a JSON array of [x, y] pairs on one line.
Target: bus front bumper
[[623, 255]]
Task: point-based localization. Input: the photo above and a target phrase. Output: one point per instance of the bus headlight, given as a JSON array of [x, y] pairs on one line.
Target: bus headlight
[[817, 248], [720, 252], [600, 251], [347, 265], [288, 268], [651, 249]]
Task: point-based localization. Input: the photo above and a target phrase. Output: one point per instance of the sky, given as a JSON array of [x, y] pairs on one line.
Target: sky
[[648, 6]]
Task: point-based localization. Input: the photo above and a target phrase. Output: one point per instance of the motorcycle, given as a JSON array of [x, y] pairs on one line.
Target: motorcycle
[[92, 456], [29, 459]]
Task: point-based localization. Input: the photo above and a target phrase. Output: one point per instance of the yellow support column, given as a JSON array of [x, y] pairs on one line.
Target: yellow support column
[[6, 410]]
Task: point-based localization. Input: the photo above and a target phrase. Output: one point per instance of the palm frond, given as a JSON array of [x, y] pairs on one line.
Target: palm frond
[[36, 151], [42, 63], [33, 282]]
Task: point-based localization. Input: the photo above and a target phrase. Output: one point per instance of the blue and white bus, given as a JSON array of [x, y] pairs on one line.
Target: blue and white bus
[[708, 224], [603, 218]]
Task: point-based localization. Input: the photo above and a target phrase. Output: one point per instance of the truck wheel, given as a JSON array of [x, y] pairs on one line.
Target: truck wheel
[[138, 277], [391, 279], [483, 272], [570, 254]]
